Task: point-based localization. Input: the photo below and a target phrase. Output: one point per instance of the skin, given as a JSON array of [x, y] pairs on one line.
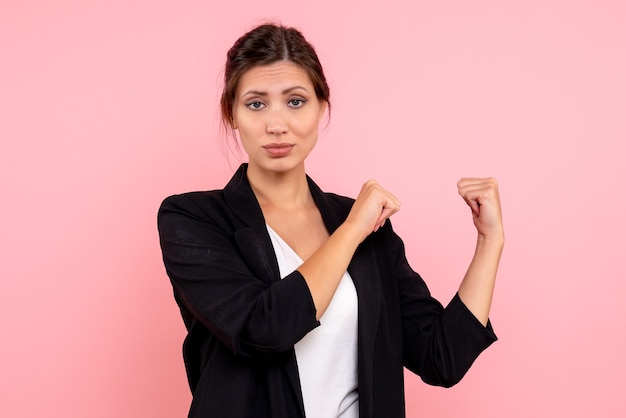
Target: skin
[[277, 115]]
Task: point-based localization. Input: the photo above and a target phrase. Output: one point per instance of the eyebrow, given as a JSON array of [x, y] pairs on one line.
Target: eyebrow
[[264, 93]]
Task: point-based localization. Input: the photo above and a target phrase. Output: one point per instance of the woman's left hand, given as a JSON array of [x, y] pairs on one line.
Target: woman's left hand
[[481, 195]]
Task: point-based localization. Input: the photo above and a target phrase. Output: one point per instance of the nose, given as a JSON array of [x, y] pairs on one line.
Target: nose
[[276, 123]]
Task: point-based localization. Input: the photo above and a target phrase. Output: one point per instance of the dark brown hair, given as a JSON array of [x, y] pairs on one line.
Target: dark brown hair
[[264, 45]]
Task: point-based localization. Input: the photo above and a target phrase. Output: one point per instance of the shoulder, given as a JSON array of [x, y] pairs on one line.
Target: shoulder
[[197, 211], [197, 203], [194, 217], [203, 201]]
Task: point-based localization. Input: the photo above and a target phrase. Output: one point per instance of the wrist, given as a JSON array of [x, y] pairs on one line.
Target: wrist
[[352, 232], [491, 238]]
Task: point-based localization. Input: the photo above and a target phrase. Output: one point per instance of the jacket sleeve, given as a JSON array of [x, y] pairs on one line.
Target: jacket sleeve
[[214, 285], [439, 344]]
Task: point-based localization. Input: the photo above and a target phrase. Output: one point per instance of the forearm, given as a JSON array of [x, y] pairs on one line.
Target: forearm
[[325, 268], [476, 289]]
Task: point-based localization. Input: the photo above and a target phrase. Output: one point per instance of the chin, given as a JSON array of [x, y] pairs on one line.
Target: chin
[[282, 165]]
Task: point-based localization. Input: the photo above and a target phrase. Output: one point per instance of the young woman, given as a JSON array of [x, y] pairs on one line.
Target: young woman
[[299, 302]]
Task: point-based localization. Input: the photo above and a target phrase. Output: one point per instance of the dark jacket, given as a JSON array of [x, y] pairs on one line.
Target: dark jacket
[[243, 320]]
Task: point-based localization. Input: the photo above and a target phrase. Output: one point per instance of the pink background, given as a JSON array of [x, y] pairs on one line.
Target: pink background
[[108, 106]]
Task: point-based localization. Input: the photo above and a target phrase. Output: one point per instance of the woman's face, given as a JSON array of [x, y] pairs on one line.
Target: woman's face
[[277, 115]]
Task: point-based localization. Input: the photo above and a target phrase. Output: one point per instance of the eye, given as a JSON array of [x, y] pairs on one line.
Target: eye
[[255, 105], [296, 102]]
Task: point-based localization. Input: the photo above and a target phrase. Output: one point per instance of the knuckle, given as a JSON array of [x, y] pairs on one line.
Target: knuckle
[[492, 181]]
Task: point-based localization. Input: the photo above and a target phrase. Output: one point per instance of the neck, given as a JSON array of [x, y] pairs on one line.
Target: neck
[[286, 190]]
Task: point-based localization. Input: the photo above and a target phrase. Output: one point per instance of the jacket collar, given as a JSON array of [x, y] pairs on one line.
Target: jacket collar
[[241, 199]]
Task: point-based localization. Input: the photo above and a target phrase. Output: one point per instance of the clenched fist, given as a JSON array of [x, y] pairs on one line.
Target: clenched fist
[[371, 208], [481, 195]]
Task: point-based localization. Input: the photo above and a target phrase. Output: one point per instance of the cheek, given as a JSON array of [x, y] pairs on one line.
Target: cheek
[[245, 137], [245, 125], [309, 125]]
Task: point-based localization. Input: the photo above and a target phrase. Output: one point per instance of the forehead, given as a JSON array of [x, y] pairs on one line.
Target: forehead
[[274, 77]]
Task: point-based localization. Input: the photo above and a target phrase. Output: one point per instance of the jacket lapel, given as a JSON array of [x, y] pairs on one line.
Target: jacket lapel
[[251, 233]]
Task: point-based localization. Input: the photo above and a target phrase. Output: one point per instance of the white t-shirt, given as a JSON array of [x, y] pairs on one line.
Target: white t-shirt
[[327, 356]]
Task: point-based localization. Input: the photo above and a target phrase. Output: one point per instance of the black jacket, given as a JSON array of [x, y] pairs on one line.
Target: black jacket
[[243, 320]]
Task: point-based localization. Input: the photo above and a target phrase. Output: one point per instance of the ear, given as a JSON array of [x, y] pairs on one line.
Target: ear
[[323, 108]]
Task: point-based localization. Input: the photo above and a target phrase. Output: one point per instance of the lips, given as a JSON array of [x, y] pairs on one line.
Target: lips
[[278, 149]]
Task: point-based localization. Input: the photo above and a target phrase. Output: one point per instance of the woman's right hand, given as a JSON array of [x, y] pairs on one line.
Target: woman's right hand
[[372, 207]]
